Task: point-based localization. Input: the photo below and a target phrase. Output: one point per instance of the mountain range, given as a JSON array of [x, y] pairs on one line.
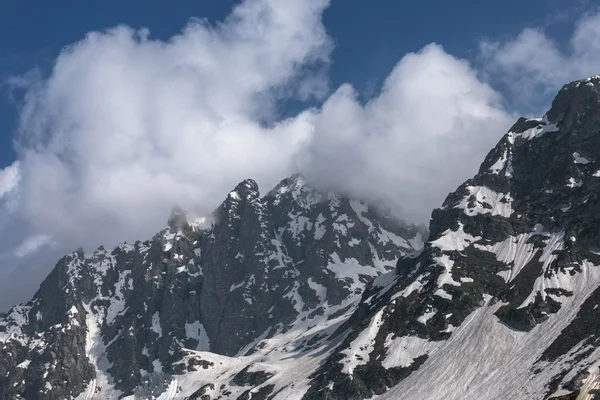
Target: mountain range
[[307, 294]]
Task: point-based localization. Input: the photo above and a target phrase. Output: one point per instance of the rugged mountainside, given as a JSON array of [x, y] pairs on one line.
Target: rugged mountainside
[[503, 301], [208, 309], [291, 295]]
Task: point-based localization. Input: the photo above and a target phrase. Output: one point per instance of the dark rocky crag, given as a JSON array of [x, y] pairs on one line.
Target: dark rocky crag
[[129, 318]]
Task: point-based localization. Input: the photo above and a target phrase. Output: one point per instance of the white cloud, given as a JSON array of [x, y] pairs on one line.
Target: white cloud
[[9, 179], [32, 244], [127, 126], [427, 131], [534, 66]]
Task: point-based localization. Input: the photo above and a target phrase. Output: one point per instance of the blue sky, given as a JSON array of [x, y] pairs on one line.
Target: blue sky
[[369, 37], [385, 101]]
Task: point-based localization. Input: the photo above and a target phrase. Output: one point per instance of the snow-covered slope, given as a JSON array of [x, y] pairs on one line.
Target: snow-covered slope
[[242, 303], [504, 300]]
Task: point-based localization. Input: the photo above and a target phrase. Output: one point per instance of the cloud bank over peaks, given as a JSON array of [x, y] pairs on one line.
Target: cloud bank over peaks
[[427, 130], [127, 126]]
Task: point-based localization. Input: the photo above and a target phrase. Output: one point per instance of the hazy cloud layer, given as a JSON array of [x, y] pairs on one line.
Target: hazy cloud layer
[[127, 126], [534, 66]]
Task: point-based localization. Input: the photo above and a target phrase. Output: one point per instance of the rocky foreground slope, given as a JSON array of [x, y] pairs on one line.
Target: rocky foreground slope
[[288, 296]]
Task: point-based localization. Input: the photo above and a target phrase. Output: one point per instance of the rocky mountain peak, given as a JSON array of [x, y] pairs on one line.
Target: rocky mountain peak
[[575, 100], [247, 190], [269, 280], [295, 181]]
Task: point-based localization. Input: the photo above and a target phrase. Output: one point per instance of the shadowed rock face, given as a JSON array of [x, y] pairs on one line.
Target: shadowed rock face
[[520, 237], [127, 318]]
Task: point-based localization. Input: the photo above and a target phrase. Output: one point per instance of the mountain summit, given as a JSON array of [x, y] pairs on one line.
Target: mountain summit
[[249, 297]]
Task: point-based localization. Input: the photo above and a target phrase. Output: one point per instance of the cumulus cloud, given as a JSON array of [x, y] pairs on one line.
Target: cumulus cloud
[[534, 66], [427, 131], [126, 126]]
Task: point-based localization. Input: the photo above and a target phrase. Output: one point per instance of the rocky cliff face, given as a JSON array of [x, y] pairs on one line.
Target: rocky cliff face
[[229, 302], [503, 302]]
